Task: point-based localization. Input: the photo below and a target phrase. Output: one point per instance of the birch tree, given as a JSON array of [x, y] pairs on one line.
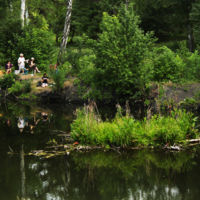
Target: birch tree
[[23, 9], [66, 30]]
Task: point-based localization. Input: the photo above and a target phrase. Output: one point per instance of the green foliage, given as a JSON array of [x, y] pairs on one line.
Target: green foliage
[[16, 88], [195, 16], [183, 50], [167, 66], [120, 53], [192, 70], [10, 25], [59, 79], [188, 102], [7, 81], [126, 131], [91, 13], [26, 86], [35, 42]]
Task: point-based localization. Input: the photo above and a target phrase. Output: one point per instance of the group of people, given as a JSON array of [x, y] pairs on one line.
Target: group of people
[[32, 65], [21, 64]]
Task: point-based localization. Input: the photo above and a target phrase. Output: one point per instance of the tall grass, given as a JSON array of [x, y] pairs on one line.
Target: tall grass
[[88, 128]]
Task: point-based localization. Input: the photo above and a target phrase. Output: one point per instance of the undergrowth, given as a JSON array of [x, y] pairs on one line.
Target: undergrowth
[[88, 128]]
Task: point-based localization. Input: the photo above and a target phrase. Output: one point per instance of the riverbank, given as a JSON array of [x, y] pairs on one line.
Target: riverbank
[[74, 91]]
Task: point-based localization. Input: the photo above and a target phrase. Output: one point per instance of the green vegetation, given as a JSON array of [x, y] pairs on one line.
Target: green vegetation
[[115, 49], [20, 87], [155, 130], [7, 81]]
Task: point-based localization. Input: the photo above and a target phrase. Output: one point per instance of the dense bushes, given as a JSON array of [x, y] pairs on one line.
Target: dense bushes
[[35, 42], [7, 81], [18, 87], [166, 65], [120, 52], [125, 131]]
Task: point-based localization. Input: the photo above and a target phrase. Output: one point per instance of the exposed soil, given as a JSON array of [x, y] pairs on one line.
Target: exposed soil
[[165, 92], [177, 93]]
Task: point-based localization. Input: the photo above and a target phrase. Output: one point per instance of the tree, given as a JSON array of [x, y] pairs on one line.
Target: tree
[[120, 52]]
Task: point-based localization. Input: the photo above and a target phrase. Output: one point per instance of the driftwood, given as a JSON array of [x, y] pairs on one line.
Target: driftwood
[[177, 148], [82, 147], [58, 131], [193, 144], [193, 140], [52, 147], [64, 135]]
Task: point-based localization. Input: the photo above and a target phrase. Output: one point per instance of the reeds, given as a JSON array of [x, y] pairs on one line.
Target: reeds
[[125, 131]]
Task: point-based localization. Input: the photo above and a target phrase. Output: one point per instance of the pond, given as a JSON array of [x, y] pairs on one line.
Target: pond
[[94, 175]]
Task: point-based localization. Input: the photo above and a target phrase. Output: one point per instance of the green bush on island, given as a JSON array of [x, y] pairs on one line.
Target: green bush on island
[[155, 130]]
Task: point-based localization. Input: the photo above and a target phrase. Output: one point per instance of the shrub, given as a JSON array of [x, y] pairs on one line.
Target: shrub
[[120, 52], [167, 66], [192, 70], [26, 86], [16, 88], [7, 81], [59, 79]]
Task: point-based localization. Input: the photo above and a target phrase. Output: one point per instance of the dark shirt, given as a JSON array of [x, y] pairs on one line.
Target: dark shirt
[[9, 66], [44, 79]]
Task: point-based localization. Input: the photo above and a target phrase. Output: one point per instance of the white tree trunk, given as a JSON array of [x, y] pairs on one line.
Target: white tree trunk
[[127, 3], [11, 8], [23, 8], [67, 25], [27, 15]]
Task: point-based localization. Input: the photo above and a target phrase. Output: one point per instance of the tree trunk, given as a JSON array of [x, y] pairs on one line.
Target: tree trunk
[[127, 3], [23, 8], [65, 31], [189, 25], [27, 15], [190, 38]]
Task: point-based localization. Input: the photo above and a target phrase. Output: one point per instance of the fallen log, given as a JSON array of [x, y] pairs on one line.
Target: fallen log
[[52, 147], [58, 131], [193, 140]]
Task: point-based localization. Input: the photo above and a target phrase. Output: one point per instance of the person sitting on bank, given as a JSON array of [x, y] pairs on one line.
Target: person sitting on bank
[[9, 67], [24, 71], [33, 66], [45, 80]]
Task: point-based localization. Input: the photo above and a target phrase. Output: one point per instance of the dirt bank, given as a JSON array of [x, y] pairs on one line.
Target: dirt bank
[[181, 94], [165, 93]]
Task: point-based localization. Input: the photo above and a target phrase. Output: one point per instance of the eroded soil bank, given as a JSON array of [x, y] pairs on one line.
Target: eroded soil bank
[[187, 95]]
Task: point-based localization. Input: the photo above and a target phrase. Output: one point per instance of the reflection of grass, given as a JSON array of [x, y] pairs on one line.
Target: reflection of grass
[[130, 162]]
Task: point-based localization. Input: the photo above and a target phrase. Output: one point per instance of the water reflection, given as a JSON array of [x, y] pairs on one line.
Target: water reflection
[[100, 175], [96, 175]]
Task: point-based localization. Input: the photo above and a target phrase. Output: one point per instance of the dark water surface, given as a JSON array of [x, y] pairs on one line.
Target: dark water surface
[[95, 175]]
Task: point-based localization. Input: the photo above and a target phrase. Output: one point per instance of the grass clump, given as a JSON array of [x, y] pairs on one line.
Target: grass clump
[[88, 128]]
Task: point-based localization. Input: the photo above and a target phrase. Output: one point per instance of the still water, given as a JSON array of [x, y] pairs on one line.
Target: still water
[[95, 175]]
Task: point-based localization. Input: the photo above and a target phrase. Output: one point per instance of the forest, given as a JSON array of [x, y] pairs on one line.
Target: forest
[[116, 47]]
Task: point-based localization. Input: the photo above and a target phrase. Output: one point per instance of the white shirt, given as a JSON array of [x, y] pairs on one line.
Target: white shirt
[[21, 61]]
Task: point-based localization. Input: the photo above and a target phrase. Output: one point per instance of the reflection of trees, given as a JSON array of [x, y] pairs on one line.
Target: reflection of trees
[[99, 175], [95, 175], [23, 176]]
